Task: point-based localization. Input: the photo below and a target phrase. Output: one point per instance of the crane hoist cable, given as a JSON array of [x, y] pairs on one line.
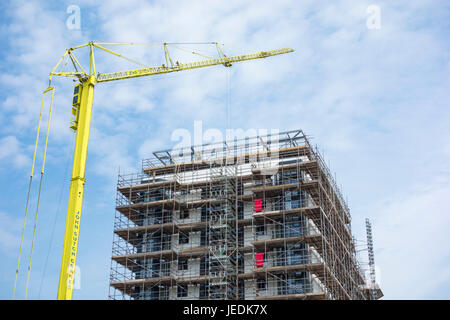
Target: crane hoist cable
[[28, 195], [29, 187], [120, 56], [190, 51], [57, 213], [40, 186]]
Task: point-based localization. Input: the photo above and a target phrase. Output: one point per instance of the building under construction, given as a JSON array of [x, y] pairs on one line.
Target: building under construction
[[254, 218]]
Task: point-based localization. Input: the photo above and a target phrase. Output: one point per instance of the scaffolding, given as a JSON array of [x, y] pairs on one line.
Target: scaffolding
[[254, 218], [374, 290]]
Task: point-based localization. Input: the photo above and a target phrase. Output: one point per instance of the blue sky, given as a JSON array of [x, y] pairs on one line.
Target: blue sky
[[376, 102]]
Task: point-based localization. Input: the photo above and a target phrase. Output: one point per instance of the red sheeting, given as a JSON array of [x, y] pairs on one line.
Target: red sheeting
[[258, 205], [260, 260]]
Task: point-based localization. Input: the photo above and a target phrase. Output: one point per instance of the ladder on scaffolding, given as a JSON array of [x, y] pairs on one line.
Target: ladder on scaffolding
[[373, 288], [222, 234]]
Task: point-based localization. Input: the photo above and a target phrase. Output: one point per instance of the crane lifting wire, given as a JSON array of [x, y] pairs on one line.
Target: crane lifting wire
[[81, 111]]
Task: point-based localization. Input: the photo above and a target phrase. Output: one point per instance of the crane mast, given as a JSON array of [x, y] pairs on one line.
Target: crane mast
[[82, 103], [72, 231]]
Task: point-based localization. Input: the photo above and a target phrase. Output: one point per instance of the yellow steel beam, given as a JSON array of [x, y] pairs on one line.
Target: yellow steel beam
[[60, 60], [71, 235], [72, 55], [118, 55], [128, 43], [80, 46], [68, 74], [227, 61]]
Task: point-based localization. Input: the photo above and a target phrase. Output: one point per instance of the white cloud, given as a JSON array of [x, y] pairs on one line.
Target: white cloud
[[11, 152], [9, 234], [413, 241]]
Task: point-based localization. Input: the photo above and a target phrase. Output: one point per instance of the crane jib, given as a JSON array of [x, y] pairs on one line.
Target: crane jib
[[103, 77]]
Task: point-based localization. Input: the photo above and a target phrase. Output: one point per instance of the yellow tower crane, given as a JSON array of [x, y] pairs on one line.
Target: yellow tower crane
[[83, 99]]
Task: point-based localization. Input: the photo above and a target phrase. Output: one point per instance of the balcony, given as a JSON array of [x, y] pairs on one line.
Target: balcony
[[141, 275], [277, 207], [145, 218], [279, 234], [154, 269], [127, 252], [293, 292], [153, 293]]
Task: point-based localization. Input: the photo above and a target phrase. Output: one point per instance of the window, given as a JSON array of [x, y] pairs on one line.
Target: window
[[240, 189], [156, 242], [291, 200], [297, 283], [295, 226], [182, 291], [203, 290], [164, 268], [182, 264], [205, 214], [153, 293], [184, 214], [241, 236], [240, 259], [261, 284], [183, 238], [260, 230], [204, 266], [241, 290], [287, 177], [279, 231], [240, 210], [296, 254], [204, 238]]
